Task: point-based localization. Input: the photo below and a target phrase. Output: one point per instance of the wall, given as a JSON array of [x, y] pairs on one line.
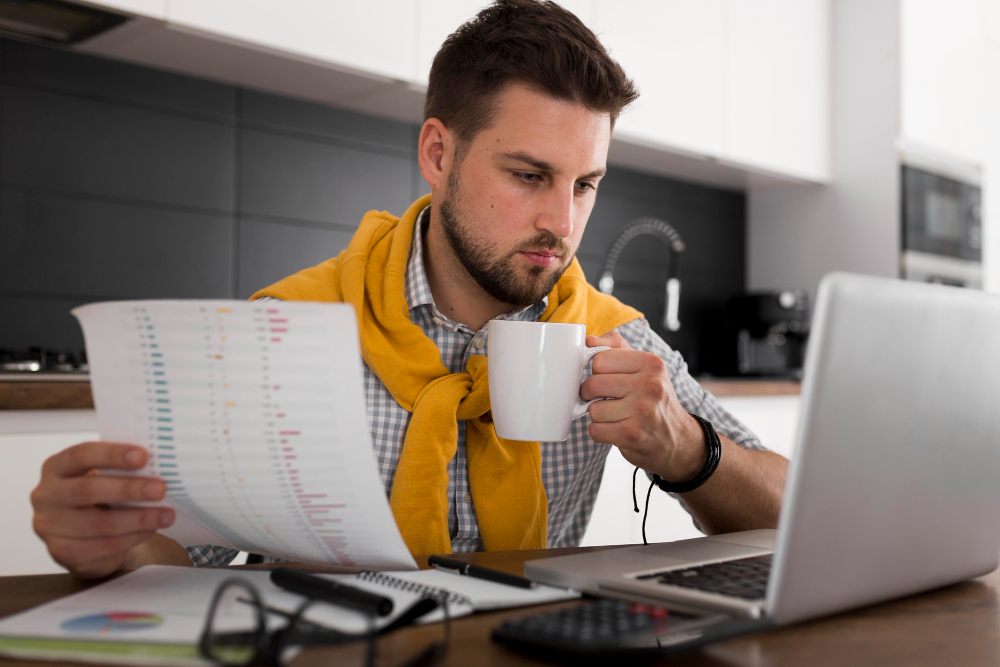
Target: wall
[[118, 181], [950, 96], [798, 235], [711, 269], [124, 182]]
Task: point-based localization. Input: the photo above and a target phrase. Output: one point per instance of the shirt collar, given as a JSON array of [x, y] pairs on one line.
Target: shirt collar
[[418, 289]]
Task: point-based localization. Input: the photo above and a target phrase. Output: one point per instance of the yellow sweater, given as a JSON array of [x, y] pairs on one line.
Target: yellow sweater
[[504, 476]]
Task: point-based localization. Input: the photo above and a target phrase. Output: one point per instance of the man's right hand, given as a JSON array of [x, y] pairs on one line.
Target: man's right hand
[[72, 513]]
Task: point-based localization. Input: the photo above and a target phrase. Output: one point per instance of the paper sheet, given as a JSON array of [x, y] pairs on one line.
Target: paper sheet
[[254, 415], [153, 616], [162, 604], [488, 595]]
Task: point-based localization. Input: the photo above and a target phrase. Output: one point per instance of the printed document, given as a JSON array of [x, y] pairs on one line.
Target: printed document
[[254, 415]]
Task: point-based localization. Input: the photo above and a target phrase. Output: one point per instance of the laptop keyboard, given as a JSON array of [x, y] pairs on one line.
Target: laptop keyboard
[[743, 578]]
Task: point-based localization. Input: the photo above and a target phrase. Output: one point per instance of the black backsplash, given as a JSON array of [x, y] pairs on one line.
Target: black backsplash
[[123, 182]]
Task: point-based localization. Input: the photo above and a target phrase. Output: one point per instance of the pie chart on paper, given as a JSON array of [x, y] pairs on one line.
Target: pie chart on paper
[[112, 622]]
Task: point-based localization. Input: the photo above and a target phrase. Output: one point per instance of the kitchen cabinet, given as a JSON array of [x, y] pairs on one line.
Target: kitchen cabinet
[[744, 82], [673, 50], [732, 91], [777, 86], [435, 21], [376, 36], [439, 18], [773, 419], [151, 8], [27, 438]]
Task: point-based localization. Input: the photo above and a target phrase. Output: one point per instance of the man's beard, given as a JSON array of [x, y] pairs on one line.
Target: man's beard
[[497, 274]]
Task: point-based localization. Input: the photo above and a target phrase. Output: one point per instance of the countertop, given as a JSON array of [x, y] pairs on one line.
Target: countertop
[[72, 392]]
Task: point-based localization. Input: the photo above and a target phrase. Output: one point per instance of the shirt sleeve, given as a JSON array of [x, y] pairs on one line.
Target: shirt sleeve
[[209, 555], [640, 336]]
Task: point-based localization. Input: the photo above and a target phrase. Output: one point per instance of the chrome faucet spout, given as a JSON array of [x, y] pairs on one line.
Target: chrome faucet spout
[[667, 234]]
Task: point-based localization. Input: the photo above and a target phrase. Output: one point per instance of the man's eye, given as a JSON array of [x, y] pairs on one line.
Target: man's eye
[[583, 186], [527, 177]]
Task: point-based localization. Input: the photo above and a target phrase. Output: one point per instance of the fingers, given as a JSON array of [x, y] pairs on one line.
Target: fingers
[[628, 361], [99, 522], [78, 459], [96, 556], [611, 339], [82, 534], [624, 433], [606, 385], [614, 410], [90, 490]]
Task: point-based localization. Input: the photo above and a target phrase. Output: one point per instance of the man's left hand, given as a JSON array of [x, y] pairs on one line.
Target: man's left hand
[[643, 419]]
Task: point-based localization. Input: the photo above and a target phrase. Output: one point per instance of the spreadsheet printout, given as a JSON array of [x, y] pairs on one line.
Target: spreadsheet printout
[[254, 416]]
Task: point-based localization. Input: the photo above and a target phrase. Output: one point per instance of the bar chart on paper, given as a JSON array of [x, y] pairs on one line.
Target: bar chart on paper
[[253, 414]]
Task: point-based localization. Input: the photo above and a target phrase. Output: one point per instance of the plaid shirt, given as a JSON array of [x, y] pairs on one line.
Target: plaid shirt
[[571, 470]]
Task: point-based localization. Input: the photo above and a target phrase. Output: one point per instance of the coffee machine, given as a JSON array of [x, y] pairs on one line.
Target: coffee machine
[[764, 334]]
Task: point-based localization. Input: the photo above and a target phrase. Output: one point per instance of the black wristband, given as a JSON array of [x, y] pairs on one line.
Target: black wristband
[[714, 446]]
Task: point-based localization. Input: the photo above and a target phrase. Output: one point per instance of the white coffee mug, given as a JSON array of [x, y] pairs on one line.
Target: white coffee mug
[[535, 373]]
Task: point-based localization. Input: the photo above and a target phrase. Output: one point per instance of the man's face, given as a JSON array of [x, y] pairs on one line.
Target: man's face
[[518, 201]]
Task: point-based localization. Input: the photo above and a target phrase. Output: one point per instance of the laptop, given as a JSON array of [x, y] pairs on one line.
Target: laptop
[[894, 484]]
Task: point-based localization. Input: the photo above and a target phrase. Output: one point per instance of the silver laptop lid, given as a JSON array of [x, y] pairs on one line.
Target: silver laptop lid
[[894, 486]]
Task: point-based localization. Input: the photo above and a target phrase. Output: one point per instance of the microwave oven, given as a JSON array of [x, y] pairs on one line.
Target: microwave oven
[[942, 227]]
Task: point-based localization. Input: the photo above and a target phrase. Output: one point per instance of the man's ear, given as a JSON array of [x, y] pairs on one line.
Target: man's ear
[[435, 153]]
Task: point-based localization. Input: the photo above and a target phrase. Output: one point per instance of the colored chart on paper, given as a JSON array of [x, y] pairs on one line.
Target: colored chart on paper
[[112, 622], [253, 414]]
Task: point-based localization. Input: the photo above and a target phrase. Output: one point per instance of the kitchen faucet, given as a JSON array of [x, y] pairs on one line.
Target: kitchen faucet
[[667, 234]]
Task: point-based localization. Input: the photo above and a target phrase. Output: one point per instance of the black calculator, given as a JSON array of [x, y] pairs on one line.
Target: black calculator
[[605, 630]]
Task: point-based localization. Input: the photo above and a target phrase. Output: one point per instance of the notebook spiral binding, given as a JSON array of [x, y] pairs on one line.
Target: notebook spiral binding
[[423, 590]]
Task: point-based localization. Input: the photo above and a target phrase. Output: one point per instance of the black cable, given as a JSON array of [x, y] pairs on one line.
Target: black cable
[[635, 503], [646, 513]]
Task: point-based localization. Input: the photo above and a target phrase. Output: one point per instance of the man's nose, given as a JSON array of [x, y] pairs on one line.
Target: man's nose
[[557, 216]]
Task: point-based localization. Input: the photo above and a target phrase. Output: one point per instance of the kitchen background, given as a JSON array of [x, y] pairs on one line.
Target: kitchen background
[[205, 148], [125, 182]]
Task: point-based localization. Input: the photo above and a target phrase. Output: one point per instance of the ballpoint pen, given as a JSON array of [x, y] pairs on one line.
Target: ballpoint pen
[[479, 572]]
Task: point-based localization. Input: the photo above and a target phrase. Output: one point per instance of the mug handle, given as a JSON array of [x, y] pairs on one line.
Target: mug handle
[[581, 408]]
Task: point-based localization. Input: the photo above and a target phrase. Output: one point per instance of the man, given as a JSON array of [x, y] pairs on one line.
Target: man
[[519, 113]]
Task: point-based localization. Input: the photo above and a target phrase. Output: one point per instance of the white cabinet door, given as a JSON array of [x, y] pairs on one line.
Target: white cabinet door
[[778, 87], [22, 456], [673, 49], [773, 419], [440, 18], [153, 8], [437, 20], [376, 36]]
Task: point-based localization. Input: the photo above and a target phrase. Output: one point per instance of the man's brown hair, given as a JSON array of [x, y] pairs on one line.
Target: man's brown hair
[[537, 43]]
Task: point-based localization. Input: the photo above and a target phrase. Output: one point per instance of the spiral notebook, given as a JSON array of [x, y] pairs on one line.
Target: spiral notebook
[[464, 594], [154, 616]]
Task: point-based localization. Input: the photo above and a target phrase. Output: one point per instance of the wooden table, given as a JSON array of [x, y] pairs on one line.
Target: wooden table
[[25, 392], [958, 625]]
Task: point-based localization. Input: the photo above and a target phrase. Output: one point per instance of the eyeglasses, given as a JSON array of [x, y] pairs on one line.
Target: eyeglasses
[[237, 634]]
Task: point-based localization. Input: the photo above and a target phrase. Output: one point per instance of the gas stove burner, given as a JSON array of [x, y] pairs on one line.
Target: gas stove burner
[[39, 360]]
